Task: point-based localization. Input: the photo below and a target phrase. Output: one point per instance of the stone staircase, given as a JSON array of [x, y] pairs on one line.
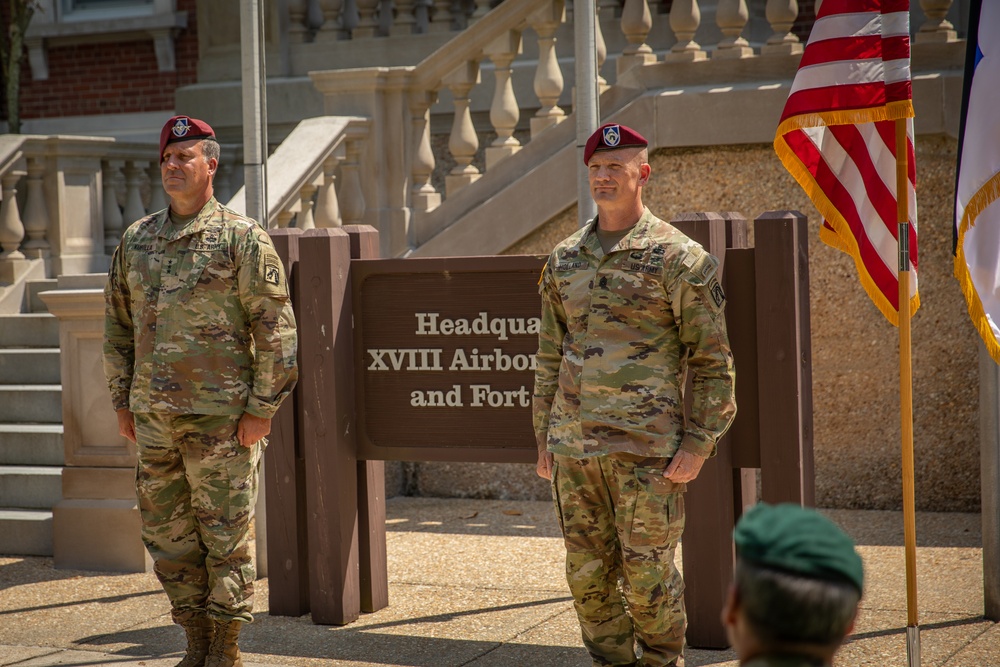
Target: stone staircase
[[31, 443]]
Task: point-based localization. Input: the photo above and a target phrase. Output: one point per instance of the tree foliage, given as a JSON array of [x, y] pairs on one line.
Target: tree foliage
[[11, 54]]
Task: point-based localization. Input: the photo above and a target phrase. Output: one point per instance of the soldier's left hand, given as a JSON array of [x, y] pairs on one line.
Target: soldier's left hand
[[252, 429], [684, 467]]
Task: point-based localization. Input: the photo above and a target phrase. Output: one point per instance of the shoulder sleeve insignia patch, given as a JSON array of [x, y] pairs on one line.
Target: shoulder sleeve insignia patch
[[272, 274], [718, 296]]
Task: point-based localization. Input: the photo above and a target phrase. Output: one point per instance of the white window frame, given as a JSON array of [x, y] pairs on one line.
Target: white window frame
[[60, 23]]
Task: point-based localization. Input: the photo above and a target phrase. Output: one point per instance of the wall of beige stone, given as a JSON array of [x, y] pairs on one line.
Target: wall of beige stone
[[855, 350]]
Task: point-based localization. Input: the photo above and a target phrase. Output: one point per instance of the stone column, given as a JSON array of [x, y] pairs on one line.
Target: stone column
[[731, 17], [781, 14], [936, 28], [504, 112], [685, 17], [96, 524], [463, 142]]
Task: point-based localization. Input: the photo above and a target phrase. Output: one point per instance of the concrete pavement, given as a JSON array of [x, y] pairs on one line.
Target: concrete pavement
[[479, 583]]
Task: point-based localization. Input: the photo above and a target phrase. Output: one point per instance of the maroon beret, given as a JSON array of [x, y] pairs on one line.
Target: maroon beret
[[184, 128], [610, 136]]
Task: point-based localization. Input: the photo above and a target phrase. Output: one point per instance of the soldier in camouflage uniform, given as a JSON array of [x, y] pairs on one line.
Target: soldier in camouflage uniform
[[199, 352], [796, 591], [629, 307]]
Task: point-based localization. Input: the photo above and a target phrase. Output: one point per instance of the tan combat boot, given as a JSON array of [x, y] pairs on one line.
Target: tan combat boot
[[224, 651], [199, 630]]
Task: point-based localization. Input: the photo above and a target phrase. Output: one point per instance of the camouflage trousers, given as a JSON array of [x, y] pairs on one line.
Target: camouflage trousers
[[197, 487], [621, 521]]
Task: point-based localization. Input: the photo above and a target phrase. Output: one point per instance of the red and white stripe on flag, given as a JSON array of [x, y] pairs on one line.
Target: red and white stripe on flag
[[837, 137]]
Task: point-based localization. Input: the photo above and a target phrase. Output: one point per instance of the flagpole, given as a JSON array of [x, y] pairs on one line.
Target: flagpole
[[906, 395]]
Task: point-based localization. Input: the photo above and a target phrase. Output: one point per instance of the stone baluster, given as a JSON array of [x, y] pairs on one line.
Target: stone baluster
[[936, 28], [423, 197], [284, 218], [781, 14], [112, 212], [327, 207], [367, 24], [349, 19], [297, 16], [352, 202], [482, 8], [36, 214], [11, 227], [332, 28], [463, 142], [406, 21], [133, 194], [731, 16], [157, 197], [685, 17], [304, 219], [636, 23], [504, 113], [548, 76], [441, 18]]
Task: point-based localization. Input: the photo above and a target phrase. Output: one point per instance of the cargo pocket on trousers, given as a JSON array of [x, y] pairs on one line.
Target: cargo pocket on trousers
[[658, 513]]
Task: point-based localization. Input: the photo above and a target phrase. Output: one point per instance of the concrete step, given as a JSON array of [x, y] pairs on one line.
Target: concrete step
[[25, 532], [33, 288], [29, 330], [31, 404], [29, 365], [30, 487], [31, 444]]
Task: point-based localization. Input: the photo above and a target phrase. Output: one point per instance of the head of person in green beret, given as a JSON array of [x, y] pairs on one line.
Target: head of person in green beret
[[796, 590]]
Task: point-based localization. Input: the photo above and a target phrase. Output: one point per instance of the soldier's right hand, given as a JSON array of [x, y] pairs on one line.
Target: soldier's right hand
[[544, 467], [126, 423]]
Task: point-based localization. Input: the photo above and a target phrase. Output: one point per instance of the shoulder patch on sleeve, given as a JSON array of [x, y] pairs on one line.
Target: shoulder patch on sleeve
[[271, 274], [718, 295], [701, 268]]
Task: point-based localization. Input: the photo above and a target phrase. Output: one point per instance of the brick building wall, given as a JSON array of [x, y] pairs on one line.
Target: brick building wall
[[108, 78]]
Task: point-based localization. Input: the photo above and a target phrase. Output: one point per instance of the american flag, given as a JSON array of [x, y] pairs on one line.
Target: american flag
[[837, 137]]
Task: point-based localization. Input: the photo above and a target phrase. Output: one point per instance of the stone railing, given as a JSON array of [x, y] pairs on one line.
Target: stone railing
[[65, 201], [302, 175], [407, 175], [50, 206]]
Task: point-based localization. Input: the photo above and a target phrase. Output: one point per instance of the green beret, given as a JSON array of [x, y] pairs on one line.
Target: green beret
[[799, 541]]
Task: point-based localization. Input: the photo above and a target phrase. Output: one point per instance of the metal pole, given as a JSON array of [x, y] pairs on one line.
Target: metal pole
[[989, 446], [586, 104], [255, 177]]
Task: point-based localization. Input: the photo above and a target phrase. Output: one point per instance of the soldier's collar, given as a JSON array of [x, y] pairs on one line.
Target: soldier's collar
[[199, 224]]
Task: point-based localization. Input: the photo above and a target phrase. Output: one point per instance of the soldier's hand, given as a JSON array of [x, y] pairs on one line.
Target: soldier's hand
[[684, 467], [126, 423], [544, 467], [252, 429]]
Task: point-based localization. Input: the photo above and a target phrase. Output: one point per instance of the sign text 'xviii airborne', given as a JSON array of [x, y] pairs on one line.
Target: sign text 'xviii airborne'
[[463, 359]]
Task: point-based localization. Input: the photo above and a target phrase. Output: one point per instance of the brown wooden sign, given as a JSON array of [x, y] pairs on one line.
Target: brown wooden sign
[[444, 357]]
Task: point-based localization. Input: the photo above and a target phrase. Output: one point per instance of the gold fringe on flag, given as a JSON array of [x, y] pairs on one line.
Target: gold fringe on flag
[[986, 195]]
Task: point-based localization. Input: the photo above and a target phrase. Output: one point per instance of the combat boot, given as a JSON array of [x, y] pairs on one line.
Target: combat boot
[[199, 630], [224, 651]]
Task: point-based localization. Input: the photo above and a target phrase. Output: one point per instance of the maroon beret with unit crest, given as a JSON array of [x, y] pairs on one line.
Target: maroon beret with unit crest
[[610, 136], [184, 128]]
